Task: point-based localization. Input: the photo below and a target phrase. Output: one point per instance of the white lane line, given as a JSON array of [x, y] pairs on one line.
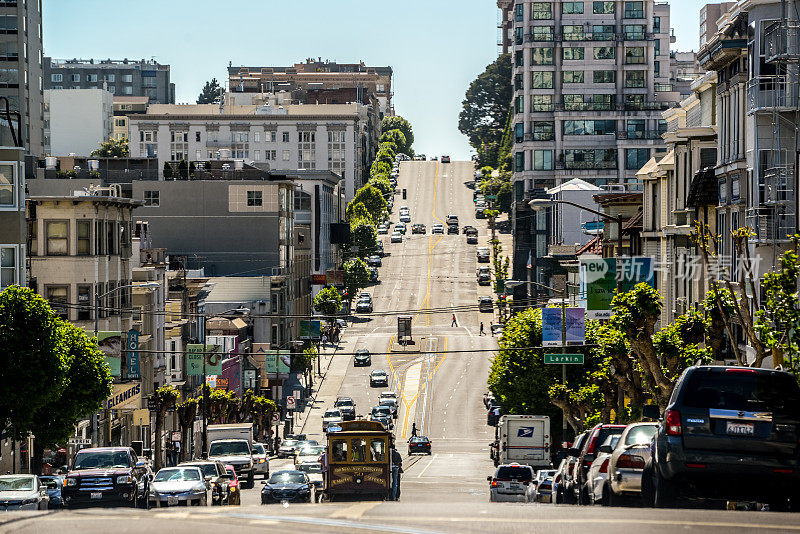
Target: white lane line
[[355, 511], [427, 466]]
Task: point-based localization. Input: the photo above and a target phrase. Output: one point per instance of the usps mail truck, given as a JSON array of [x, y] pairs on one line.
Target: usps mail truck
[[524, 439]]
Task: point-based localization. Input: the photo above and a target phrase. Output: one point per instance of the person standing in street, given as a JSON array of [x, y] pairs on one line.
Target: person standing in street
[[397, 469], [491, 324], [413, 430], [454, 323], [481, 333]]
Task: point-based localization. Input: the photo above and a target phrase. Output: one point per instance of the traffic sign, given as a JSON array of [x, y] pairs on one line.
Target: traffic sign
[[574, 359], [491, 197], [276, 417], [80, 441], [290, 404]]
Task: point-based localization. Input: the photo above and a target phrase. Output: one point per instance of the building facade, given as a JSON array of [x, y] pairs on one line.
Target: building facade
[[77, 120], [119, 76], [21, 79], [12, 213], [124, 106], [325, 137], [709, 15]]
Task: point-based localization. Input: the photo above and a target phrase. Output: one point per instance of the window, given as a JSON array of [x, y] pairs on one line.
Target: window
[[256, 137], [285, 137], [633, 32], [542, 102], [91, 77], [8, 23], [542, 11], [75, 78], [109, 78], [84, 302], [635, 158], [604, 52], [662, 126], [152, 198], [57, 78], [8, 266], [573, 102], [57, 233], [634, 10], [127, 90], [635, 128], [257, 155], [518, 81], [127, 78], [9, 50], [572, 76], [543, 130], [84, 238], [8, 185], [542, 80], [519, 132], [9, 78], [338, 447], [112, 89], [572, 53], [519, 105], [519, 12], [519, 35], [572, 8], [603, 102], [634, 102], [599, 158], [541, 56], [657, 47], [657, 69], [519, 162], [589, 127], [634, 78], [634, 55], [656, 24], [58, 296], [603, 32], [603, 8], [604, 76], [542, 160], [519, 59], [542, 33], [573, 32], [255, 198]]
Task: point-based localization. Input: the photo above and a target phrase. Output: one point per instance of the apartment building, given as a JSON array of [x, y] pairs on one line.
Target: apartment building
[[317, 81], [124, 106], [709, 15], [325, 137], [590, 82], [12, 212], [76, 120], [505, 26], [119, 76], [21, 73]]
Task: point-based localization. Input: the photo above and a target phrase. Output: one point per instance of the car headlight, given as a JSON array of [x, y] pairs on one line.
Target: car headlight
[[261, 460], [303, 490], [153, 492], [199, 490], [251, 463], [124, 479], [70, 481]]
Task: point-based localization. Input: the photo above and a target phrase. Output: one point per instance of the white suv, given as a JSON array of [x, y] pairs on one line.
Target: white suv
[[512, 482]]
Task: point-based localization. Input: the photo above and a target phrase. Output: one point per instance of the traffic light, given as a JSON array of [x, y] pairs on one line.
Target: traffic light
[[404, 194]]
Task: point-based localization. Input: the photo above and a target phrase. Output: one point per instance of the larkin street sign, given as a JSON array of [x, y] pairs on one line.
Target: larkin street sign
[[576, 359]]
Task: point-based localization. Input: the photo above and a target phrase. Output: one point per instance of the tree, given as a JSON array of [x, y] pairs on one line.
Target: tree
[[34, 358], [384, 156], [364, 236], [397, 137], [192, 168], [357, 211], [486, 107], [113, 148], [388, 146], [380, 168], [356, 276], [164, 399], [382, 184], [259, 410], [88, 383], [167, 170], [396, 122], [187, 412], [373, 201], [328, 302], [183, 170], [211, 91]]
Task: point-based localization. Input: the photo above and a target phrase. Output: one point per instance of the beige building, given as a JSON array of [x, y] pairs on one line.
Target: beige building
[[124, 106]]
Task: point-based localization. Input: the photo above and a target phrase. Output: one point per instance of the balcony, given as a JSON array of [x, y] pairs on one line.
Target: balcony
[[770, 224], [644, 106], [585, 106], [775, 93], [782, 41], [600, 36], [777, 189], [639, 135]]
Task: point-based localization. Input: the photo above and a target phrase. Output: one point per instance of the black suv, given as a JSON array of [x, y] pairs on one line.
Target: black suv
[[728, 433], [106, 476]]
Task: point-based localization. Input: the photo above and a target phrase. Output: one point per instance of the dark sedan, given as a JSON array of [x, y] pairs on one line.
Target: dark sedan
[[362, 358], [419, 444], [287, 486]]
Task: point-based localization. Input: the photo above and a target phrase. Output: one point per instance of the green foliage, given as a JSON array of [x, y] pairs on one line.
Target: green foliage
[[373, 201], [388, 146], [396, 122], [328, 301], [356, 276], [631, 307], [211, 92], [364, 236], [485, 109], [183, 169], [678, 343], [397, 137], [382, 184], [384, 156], [486, 171], [357, 211], [380, 168], [113, 148], [35, 357], [504, 157], [500, 186], [167, 170]]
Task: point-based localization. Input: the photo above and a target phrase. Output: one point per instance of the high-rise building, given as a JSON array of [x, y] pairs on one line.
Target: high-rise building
[[709, 15], [122, 77]]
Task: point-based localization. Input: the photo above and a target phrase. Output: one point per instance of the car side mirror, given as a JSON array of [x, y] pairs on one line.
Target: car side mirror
[[489, 478], [263, 482], [651, 411]]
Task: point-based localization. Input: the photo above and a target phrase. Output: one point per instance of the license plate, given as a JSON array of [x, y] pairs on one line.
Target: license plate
[[741, 429], [172, 501], [96, 495], [514, 486]]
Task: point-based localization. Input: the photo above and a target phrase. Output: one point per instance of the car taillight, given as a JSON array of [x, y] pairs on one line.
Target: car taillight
[[630, 461], [557, 478], [592, 443], [494, 482], [587, 463], [604, 466], [673, 423]]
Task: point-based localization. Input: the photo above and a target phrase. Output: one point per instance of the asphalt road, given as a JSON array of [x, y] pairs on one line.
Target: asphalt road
[[441, 393]]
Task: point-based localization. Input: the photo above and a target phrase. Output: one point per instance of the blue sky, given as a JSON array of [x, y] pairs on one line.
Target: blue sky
[[435, 47]]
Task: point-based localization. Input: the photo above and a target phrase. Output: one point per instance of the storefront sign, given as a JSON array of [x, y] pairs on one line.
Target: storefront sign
[[125, 396], [133, 354], [194, 359], [111, 345], [319, 279]]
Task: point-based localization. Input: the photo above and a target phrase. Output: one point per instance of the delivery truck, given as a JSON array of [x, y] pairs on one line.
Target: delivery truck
[[524, 439], [232, 444]]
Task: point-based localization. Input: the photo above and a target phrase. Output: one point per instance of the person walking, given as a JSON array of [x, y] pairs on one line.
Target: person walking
[[454, 323], [481, 333], [491, 329], [413, 430]]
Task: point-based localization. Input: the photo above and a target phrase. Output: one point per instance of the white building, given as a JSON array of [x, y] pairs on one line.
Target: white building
[[77, 120], [273, 137]]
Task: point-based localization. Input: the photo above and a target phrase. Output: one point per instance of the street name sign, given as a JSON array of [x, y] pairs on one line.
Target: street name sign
[[570, 359]]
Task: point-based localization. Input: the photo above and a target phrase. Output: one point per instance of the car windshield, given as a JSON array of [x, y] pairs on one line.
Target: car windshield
[[289, 443], [388, 402], [287, 478], [229, 448], [51, 482], [345, 404], [102, 460], [640, 434], [611, 441], [209, 469], [381, 410], [514, 472], [258, 449], [307, 443], [744, 391], [378, 373], [333, 413], [311, 451], [310, 468], [419, 439], [177, 474], [544, 474], [18, 483]]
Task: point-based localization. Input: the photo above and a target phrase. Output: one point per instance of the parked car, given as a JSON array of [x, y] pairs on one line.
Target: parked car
[[107, 475], [22, 492], [289, 485], [374, 261], [378, 378], [260, 460], [482, 254], [235, 495], [511, 482], [496, 329], [52, 485], [728, 433], [216, 478], [485, 304], [419, 444], [445, 159], [598, 471], [347, 407], [588, 453], [362, 358], [437, 229], [331, 417], [543, 485], [493, 415], [627, 462], [565, 490], [397, 237], [373, 275], [383, 229]]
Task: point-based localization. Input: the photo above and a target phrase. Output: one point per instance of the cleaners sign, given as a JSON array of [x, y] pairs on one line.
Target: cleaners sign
[[125, 396]]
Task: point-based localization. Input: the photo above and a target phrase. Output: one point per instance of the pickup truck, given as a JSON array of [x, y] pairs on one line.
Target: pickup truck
[[232, 444], [107, 476]]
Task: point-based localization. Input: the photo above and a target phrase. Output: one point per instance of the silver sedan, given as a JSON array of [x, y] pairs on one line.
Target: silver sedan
[[179, 485], [22, 492]]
